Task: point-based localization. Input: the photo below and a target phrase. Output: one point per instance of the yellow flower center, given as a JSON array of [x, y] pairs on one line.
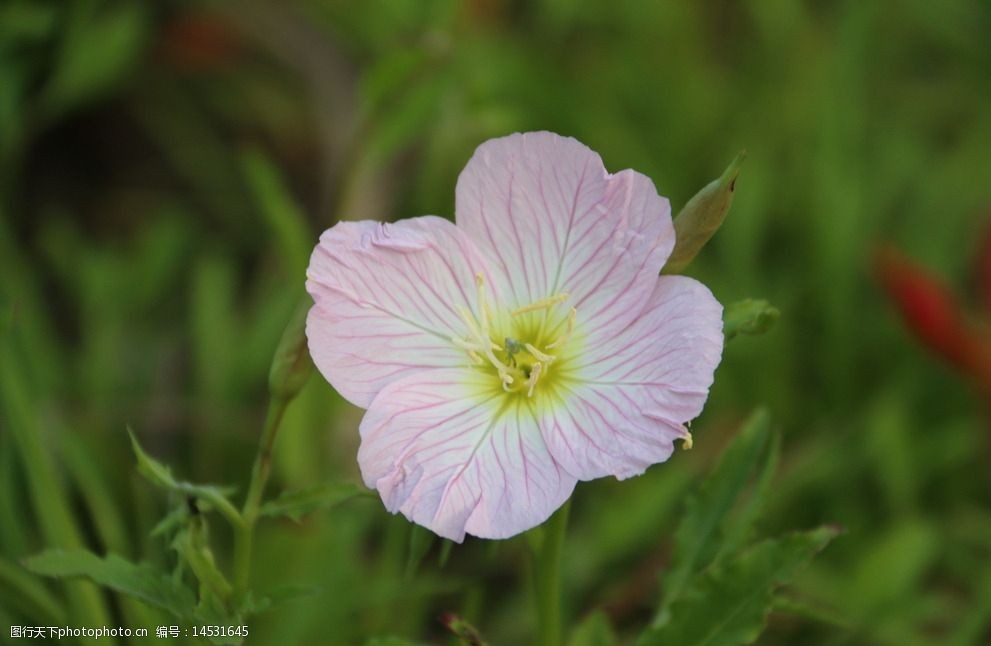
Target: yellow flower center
[[523, 350]]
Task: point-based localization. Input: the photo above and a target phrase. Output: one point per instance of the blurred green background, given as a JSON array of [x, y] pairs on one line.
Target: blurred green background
[[165, 169]]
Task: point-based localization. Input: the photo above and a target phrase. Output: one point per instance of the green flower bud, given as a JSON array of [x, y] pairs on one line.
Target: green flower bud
[[291, 365], [750, 316], [702, 216]]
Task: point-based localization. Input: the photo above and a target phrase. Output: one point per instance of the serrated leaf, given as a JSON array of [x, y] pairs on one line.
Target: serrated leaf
[[698, 537], [594, 630], [161, 476], [142, 581], [749, 316], [728, 604], [296, 504]]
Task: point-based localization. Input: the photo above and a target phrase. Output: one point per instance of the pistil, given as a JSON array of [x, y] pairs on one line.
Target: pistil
[[520, 364]]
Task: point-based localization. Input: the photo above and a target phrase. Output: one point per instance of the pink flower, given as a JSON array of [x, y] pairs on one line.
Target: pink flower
[[527, 347]]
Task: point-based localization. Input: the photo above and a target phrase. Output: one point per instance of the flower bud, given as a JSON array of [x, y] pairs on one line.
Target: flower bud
[[291, 365], [702, 216], [750, 316]]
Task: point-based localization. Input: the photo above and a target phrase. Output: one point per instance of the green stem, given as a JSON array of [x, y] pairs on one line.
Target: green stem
[[547, 578], [244, 534]]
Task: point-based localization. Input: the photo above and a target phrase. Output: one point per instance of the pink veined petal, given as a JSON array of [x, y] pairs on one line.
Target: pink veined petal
[[637, 388], [386, 301], [457, 456], [551, 219]]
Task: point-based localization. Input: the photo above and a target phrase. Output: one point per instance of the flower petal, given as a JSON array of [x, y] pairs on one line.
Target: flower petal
[[454, 453], [551, 220], [386, 301], [636, 389]]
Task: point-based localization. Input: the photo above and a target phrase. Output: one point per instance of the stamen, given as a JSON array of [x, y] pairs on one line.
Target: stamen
[[542, 304], [567, 334], [466, 345], [475, 348], [469, 321], [537, 354], [483, 307], [534, 377], [686, 442]]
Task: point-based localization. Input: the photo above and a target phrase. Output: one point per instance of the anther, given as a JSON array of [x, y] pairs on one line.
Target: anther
[[534, 377], [537, 354], [542, 304]]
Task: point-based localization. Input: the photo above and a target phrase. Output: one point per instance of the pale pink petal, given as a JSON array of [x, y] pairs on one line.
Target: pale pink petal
[[386, 301], [552, 220], [447, 449], [634, 390]]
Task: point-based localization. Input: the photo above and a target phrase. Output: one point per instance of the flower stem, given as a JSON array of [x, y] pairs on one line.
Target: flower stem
[[244, 534], [547, 578]]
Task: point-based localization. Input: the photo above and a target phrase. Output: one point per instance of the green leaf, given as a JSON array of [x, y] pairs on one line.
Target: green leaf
[[161, 476], [296, 504], [197, 555], [728, 604], [25, 21], [594, 630], [445, 552], [99, 47], [702, 216], [142, 581], [24, 592], [738, 532], [279, 208], [699, 535], [420, 542], [750, 316], [172, 521], [788, 604]]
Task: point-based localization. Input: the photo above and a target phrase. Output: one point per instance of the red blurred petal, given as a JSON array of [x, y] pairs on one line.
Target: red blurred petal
[[932, 313]]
